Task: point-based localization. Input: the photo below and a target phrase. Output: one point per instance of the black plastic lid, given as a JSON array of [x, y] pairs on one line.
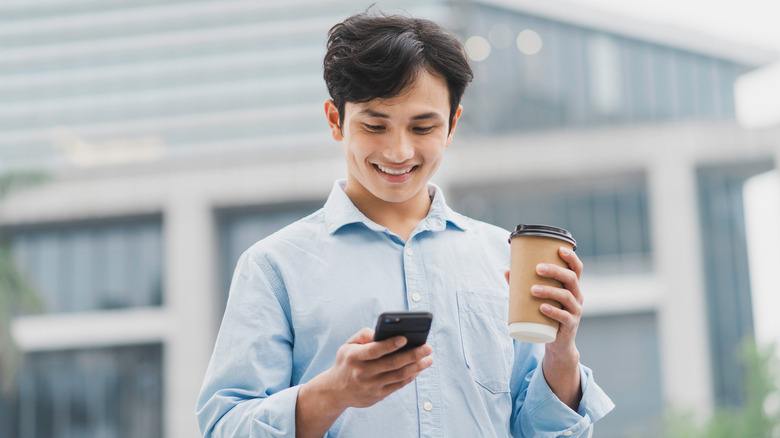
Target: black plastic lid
[[543, 231]]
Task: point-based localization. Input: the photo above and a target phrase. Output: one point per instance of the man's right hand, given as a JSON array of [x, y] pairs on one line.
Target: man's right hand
[[363, 374]]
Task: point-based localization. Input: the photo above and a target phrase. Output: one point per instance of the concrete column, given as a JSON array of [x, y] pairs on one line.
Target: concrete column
[[190, 245], [682, 311]]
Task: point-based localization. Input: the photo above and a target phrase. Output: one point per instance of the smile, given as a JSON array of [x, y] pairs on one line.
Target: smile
[[395, 172]]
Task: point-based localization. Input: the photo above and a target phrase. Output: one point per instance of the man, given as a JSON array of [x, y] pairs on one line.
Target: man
[[295, 356]]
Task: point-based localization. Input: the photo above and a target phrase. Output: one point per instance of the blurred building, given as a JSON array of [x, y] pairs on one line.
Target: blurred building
[[181, 132]]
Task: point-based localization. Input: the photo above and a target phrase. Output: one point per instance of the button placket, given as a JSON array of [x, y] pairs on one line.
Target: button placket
[[415, 297], [427, 385]]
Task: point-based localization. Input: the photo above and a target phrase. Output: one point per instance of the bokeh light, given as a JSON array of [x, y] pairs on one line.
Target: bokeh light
[[477, 48], [529, 42]]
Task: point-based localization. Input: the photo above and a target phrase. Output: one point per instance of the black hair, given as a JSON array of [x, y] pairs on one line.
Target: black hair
[[372, 56]]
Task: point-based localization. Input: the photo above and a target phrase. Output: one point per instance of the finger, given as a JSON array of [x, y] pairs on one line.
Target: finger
[[506, 275], [566, 319], [375, 350], [412, 369], [572, 259], [393, 387], [399, 360], [566, 276], [563, 296]]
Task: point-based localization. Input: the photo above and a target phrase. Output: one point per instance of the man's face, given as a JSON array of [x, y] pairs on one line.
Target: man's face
[[394, 146]]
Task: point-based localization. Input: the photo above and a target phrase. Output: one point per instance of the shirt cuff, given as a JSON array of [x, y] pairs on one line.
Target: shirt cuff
[[546, 416], [276, 414], [272, 416]]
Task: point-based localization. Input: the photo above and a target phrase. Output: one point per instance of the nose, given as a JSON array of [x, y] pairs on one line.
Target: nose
[[399, 149]]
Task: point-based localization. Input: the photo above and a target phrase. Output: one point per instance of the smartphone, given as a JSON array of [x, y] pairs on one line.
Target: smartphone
[[413, 325]]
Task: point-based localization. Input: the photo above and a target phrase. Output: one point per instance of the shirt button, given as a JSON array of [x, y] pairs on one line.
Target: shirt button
[[568, 433], [409, 252], [416, 298], [428, 406]]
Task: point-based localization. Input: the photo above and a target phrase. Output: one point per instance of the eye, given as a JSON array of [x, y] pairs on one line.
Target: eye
[[422, 129], [374, 128]]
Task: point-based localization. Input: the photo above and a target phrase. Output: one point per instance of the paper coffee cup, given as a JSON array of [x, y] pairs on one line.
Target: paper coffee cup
[[531, 245]]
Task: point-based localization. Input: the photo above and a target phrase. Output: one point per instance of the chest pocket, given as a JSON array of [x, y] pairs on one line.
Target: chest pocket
[[487, 347]]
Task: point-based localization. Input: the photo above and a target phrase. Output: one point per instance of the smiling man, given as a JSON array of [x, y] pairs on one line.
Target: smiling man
[[295, 355], [393, 146]]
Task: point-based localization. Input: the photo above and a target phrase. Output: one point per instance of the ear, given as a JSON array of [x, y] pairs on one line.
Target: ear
[[332, 114], [455, 118]]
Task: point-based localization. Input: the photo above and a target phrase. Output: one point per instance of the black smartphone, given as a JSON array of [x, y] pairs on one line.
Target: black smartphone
[[413, 325]]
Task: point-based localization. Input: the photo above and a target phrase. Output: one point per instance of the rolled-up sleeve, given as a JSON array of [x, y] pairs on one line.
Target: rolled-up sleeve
[[247, 387], [539, 413]]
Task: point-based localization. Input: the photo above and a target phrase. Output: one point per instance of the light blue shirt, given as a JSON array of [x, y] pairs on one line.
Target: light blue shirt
[[299, 294]]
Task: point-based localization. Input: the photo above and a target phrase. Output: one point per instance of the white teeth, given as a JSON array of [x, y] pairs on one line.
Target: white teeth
[[394, 172]]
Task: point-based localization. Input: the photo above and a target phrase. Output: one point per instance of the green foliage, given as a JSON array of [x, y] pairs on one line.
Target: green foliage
[[16, 292], [11, 182], [759, 417]]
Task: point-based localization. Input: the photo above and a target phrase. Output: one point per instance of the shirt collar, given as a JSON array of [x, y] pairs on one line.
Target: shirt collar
[[340, 211]]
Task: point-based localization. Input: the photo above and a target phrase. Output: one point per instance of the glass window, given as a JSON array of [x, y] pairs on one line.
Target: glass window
[[631, 374], [685, 79], [663, 83], [583, 76], [726, 75], [572, 63], [82, 267], [727, 271], [609, 218], [640, 84], [605, 75], [112, 392], [706, 90]]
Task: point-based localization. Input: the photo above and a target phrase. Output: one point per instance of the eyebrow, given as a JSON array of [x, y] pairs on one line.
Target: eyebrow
[[371, 113], [424, 116], [427, 116]]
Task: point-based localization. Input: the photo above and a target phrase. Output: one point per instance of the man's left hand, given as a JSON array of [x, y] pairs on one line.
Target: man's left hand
[[561, 359]]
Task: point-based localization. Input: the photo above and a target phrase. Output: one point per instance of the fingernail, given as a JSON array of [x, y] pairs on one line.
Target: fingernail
[[565, 251], [536, 290], [400, 342], [545, 308], [541, 268]]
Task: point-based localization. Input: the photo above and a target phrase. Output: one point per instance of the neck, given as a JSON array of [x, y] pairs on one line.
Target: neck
[[399, 217]]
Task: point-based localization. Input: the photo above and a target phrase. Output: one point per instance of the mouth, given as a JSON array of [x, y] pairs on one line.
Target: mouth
[[395, 172]]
